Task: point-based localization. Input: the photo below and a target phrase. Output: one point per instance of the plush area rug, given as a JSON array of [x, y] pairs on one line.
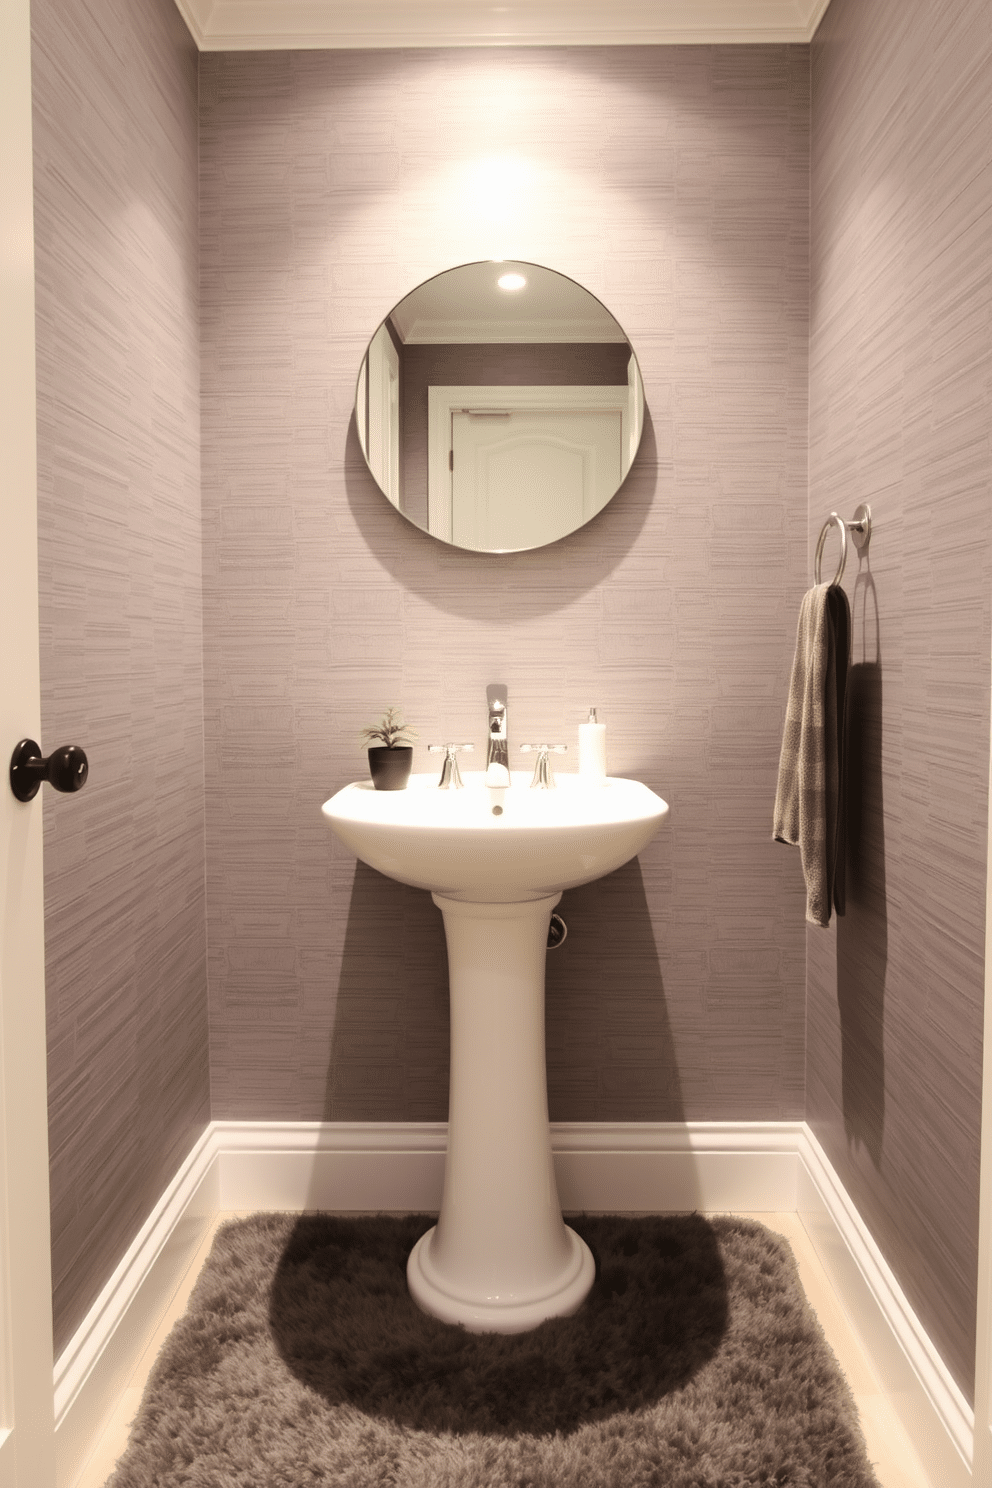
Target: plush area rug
[[695, 1362]]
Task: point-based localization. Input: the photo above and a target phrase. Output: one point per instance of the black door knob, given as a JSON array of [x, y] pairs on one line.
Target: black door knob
[[66, 769]]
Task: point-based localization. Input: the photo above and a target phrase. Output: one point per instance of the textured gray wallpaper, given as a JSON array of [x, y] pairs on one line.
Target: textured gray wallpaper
[[115, 133], [900, 405], [674, 185]]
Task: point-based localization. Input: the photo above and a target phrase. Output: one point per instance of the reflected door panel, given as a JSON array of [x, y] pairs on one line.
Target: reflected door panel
[[521, 479], [384, 413], [561, 419]]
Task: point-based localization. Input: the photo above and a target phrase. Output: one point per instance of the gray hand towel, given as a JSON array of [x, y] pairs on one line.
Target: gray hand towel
[[810, 772]]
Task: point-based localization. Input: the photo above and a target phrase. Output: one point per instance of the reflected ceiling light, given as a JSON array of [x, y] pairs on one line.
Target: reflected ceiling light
[[511, 281]]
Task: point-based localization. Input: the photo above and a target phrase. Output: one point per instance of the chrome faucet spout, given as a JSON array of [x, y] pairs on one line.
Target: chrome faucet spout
[[497, 752]]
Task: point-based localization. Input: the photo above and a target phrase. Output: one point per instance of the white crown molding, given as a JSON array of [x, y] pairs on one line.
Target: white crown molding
[[280, 25]]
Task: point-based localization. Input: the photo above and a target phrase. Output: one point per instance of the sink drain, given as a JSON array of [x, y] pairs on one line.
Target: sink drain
[[557, 931]]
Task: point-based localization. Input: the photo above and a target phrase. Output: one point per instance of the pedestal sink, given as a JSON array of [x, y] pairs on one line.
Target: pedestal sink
[[500, 1259]]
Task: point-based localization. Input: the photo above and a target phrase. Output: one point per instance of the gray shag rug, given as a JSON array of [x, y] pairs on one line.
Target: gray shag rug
[[695, 1362]]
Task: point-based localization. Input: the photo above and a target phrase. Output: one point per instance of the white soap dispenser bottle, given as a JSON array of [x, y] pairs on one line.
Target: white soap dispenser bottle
[[592, 750]]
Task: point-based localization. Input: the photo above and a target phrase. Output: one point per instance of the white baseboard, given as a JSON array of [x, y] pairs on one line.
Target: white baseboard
[[93, 1370], [647, 1166], [607, 1167], [937, 1417]]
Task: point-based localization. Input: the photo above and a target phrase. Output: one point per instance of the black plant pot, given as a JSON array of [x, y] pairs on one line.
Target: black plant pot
[[390, 768]]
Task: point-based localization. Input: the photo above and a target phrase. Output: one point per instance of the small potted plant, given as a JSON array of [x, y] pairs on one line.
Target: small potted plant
[[390, 750]]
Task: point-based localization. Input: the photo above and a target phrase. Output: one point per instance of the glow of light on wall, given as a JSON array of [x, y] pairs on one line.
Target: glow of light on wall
[[499, 191]]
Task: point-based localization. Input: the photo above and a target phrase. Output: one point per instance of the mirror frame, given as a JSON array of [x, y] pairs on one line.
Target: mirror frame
[[379, 418]]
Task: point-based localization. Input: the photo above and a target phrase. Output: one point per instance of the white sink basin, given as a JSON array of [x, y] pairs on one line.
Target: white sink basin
[[500, 1259], [488, 845]]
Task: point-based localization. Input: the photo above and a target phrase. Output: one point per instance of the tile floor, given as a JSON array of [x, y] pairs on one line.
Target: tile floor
[[889, 1448]]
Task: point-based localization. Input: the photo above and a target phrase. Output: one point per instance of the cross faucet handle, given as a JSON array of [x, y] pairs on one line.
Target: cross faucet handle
[[451, 778], [543, 776]]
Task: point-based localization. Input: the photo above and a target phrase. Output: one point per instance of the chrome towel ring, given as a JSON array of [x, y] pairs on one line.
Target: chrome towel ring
[[860, 530]]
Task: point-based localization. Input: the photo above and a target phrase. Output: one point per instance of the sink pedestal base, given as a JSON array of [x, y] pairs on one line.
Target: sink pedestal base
[[500, 1259]]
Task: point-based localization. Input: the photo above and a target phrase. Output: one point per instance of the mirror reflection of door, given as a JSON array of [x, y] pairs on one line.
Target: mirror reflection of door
[[384, 413], [521, 478], [513, 467]]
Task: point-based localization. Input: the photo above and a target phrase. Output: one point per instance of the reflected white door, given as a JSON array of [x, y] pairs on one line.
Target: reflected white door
[[521, 478], [26, 1394], [384, 413]]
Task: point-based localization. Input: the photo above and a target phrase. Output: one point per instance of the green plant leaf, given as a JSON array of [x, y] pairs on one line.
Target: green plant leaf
[[390, 731]]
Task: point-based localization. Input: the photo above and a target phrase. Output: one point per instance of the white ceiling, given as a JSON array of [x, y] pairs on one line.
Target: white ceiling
[[262, 25]]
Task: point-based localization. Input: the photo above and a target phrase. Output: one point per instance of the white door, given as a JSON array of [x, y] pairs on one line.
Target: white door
[[522, 478], [982, 1464], [27, 1457]]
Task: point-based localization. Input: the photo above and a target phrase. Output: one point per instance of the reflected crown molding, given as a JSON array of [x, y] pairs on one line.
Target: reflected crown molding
[[264, 25], [478, 332]]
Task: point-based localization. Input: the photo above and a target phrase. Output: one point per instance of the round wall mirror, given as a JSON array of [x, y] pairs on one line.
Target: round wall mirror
[[499, 406]]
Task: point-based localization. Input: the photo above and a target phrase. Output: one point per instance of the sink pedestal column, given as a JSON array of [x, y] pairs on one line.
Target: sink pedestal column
[[500, 1259]]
